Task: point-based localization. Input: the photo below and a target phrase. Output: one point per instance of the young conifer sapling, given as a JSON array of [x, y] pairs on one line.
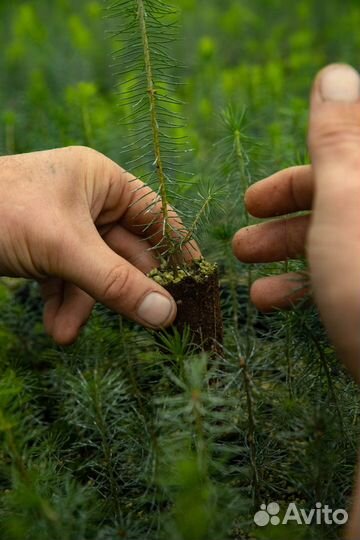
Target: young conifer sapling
[[144, 29]]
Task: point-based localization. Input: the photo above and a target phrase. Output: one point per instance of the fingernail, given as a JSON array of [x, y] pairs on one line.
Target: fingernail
[[340, 83], [156, 309]]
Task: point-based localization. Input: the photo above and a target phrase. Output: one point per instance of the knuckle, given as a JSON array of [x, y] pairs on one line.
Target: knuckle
[[79, 149], [88, 152], [82, 154], [116, 284], [90, 157], [340, 138]]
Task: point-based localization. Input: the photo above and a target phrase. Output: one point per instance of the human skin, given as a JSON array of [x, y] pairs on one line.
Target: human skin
[[85, 229], [329, 236]]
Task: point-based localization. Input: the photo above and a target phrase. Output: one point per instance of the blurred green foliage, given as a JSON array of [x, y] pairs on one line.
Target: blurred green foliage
[[113, 438], [56, 63]]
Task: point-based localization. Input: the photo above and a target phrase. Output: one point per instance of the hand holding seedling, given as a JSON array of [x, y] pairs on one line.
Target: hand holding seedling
[[76, 221], [330, 236]]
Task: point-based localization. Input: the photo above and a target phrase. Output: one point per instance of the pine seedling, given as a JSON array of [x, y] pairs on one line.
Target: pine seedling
[[235, 152], [152, 112], [194, 454]]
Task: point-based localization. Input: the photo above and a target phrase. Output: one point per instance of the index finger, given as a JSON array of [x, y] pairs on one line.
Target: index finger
[[289, 190], [138, 208]]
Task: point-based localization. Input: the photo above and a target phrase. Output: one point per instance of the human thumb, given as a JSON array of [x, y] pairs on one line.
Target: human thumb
[[114, 282], [334, 236]]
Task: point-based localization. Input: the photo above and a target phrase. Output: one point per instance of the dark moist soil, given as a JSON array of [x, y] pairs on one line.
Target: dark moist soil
[[197, 294]]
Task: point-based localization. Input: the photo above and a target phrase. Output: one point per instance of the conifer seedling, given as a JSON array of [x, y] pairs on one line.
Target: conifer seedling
[[144, 30]]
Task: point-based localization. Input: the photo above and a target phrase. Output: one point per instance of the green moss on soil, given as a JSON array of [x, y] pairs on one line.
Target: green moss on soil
[[199, 271]]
